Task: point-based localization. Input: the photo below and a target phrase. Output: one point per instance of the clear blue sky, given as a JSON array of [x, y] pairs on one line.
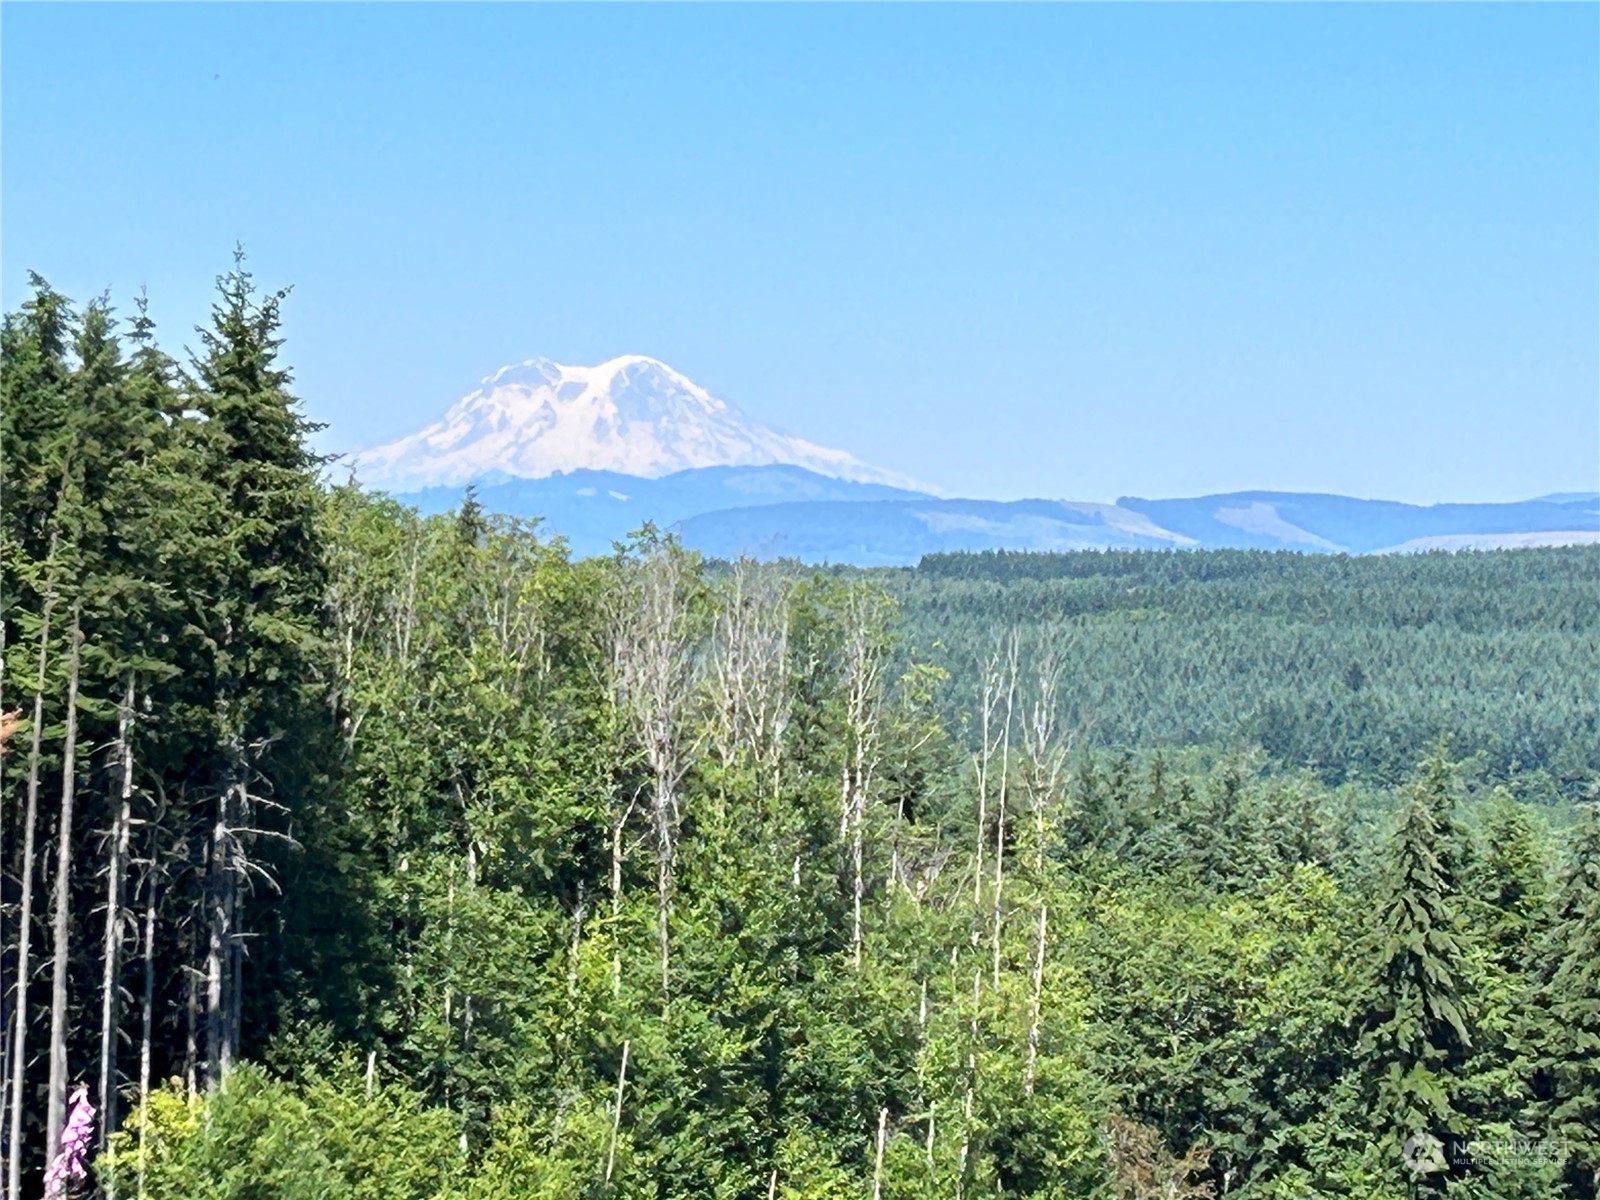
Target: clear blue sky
[[1073, 251]]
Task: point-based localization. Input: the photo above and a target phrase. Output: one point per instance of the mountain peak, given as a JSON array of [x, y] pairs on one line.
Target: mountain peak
[[550, 369], [632, 414]]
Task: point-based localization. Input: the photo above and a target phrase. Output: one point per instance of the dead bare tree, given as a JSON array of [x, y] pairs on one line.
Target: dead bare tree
[[222, 891], [150, 884], [61, 916], [1008, 692], [877, 1161], [750, 699], [652, 677], [864, 652], [914, 729], [230, 874], [191, 1009], [1045, 746], [1045, 751], [1035, 1003], [969, 1097], [616, 1113], [18, 1051], [988, 699], [111, 946], [618, 828]]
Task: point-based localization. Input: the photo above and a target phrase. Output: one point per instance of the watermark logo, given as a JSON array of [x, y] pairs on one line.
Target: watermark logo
[[1426, 1154], [1517, 1151]]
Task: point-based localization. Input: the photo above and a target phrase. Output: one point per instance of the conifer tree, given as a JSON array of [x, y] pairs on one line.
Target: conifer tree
[[264, 611], [36, 473], [1416, 1025], [1513, 886], [34, 406], [1506, 904], [1572, 999]]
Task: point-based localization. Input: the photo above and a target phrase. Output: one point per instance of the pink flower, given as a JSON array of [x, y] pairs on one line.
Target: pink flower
[[71, 1160]]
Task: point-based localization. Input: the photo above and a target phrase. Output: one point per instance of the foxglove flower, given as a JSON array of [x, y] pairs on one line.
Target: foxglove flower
[[72, 1159]]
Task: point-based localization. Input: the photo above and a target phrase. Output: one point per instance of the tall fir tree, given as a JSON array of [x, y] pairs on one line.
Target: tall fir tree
[[264, 617], [35, 453], [1571, 1064], [1416, 1025]]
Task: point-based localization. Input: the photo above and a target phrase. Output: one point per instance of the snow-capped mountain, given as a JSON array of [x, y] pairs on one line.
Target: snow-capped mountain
[[632, 415]]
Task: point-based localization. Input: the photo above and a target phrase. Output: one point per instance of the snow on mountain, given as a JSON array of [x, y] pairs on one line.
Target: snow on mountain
[[632, 415]]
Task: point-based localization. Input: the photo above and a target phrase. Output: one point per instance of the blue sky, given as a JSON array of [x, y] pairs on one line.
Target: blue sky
[[1075, 251]]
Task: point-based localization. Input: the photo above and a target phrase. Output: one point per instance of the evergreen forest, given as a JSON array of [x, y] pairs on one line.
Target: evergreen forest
[[351, 854]]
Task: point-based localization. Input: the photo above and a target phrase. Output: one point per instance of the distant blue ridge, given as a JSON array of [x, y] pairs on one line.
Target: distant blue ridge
[[1359, 526], [593, 509], [788, 512]]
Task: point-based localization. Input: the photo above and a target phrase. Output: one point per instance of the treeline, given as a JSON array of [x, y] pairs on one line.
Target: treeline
[[351, 853], [163, 614], [1350, 667]]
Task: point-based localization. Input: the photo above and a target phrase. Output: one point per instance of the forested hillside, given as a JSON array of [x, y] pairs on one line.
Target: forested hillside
[[1350, 667], [355, 853]]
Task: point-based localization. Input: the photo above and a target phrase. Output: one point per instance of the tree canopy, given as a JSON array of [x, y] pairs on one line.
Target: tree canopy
[[355, 853]]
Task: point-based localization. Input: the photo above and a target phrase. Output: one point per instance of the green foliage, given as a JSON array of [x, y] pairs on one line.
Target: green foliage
[[1571, 1000], [1416, 1037], [1030, 876], [256, 1138], [1353, 667]]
